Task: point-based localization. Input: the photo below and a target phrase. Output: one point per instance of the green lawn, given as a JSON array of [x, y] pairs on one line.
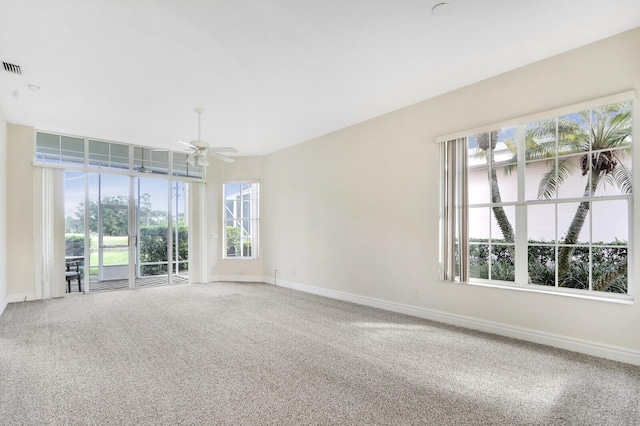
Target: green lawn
[[111, 256]]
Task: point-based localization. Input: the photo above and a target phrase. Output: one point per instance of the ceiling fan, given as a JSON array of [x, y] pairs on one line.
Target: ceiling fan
[[199, 149]]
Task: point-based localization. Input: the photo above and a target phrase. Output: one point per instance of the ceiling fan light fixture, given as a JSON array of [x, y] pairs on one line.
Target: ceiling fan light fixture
[[191, 160], [202, 160]]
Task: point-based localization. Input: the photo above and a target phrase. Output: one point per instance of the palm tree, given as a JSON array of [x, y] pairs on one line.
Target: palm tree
[[605, 130], [487, 143]]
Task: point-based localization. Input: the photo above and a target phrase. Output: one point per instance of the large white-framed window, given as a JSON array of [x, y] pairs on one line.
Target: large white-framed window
[[544, 202], [240, 220]]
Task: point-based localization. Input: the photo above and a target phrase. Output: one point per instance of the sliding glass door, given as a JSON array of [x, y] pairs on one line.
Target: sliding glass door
[[135, 229]]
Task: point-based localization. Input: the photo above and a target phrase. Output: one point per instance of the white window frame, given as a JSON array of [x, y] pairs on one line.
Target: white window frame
[[454, 207], [253, 219], [160, 170]]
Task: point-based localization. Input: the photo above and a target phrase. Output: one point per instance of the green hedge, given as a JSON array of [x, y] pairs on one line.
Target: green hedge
[[541, 264], [233, 242], [153, 247], [75, 244]]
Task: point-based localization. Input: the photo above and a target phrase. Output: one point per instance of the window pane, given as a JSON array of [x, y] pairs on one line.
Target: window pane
[[180, 166], [573, 222], [47, 147], [142, 160], [577, 274], [535, 177], [503, 220], [609, 271], [503, 262], [542, 265], [611, 125], [47, 141], [72, 150], [246, 209], [492, 154], [119, 156], [573, 133], [478, 185], [479, 261], [98, 153], [507, 178], [479, 223], [610, 221], [233, 239], [616, 172], [540, 139], [160, 161], [74, 212], [541, 223], [569, 179]]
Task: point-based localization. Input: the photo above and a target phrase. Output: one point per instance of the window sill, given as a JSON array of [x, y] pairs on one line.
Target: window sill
[[624, 299], [239, 258]]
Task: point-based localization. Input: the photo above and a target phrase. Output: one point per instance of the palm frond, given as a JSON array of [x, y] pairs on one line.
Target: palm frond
[[552, 179], [610, 131], [623, 177], [510, 164]]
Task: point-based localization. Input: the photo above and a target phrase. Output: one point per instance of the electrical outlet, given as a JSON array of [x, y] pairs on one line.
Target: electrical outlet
[[417, 292]]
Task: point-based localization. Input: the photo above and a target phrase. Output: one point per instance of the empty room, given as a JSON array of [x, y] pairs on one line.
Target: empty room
[[319, 213]]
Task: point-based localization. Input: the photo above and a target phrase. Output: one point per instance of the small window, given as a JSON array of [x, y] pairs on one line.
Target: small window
[[240, 220], [146, 160], [58, 149], [108, 155]]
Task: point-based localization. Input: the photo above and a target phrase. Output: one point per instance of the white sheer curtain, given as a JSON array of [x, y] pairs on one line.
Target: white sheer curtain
[[51, 236], [453, 205], [197, 233]]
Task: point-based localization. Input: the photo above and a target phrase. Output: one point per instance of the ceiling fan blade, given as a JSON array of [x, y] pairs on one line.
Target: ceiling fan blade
[[222, 157], [187, 144], [227, 149]]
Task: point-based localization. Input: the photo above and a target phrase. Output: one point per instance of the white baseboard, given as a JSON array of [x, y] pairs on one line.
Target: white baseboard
[[589, 348], [3, 305], [20, 297], [236, 278]]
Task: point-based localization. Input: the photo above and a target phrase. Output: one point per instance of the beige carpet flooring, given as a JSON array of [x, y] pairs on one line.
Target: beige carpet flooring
[[255, 354]]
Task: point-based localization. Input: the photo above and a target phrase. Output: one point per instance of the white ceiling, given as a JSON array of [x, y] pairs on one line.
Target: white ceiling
[[269, 73]]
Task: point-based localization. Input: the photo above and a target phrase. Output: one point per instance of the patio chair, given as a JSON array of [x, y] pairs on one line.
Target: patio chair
[[72, 273]]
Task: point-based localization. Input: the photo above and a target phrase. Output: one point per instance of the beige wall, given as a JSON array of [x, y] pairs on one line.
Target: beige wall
[[21, 210], [3, 211], [356, 211], [219, 172]]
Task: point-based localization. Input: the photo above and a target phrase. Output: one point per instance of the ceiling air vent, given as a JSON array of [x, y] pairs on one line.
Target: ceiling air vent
[[12, 68]]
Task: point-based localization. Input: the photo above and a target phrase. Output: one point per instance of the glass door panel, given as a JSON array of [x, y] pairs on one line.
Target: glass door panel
[[74, 235], [152, 202], [108, 217], [180, 267]]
